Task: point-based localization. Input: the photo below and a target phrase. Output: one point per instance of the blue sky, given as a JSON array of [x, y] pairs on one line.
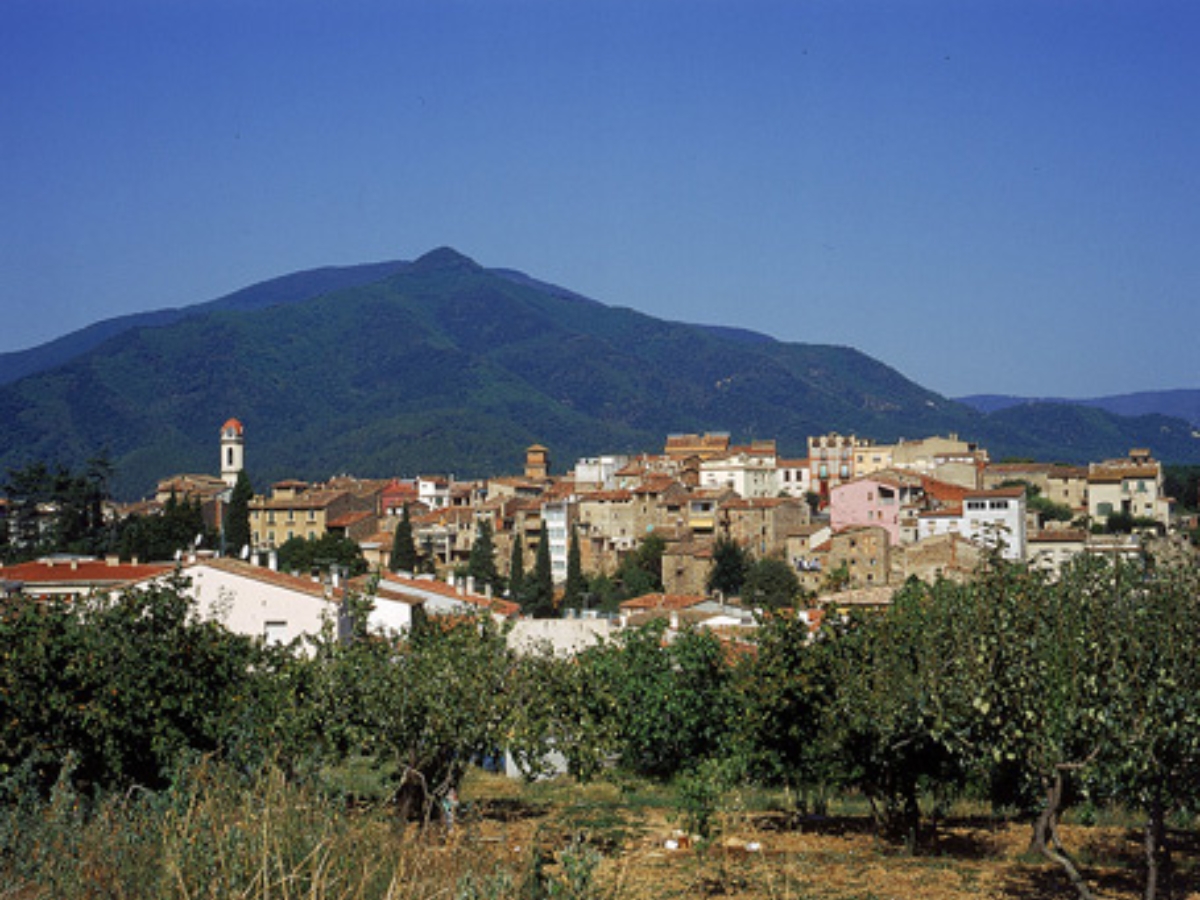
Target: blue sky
[[987, 196]]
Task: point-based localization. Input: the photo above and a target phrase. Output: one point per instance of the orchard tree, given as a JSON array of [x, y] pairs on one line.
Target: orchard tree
[[123, 685], [897, 706], [786, 687], [1153, 761], [673, 703]]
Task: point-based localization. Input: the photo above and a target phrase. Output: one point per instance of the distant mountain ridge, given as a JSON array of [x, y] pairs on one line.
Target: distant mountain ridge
[[293, 288], [442, 366], [1181, 404]]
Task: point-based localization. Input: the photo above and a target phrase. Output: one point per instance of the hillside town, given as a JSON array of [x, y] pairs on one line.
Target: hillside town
[[853, 520]]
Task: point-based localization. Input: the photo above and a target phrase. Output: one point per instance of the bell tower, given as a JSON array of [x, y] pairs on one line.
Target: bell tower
[[233, 451]]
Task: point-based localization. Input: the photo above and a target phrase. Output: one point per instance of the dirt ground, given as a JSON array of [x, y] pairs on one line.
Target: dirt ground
[[643, 854]]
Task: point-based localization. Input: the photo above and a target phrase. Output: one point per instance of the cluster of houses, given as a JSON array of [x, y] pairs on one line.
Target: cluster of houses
[[854, 518]]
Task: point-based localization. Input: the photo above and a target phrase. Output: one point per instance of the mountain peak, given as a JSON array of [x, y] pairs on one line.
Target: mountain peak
[[444, 259]]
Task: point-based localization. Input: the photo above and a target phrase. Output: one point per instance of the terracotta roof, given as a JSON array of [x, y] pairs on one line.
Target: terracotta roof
[[621, 496], [83, 573], [1057, 536], [301, 583], [318, 499], [751, 503], [949, 512], [942, 491], [1114, 473], [655, 484], [350, 518], [1008, 492], [663, 601], [398, 584]]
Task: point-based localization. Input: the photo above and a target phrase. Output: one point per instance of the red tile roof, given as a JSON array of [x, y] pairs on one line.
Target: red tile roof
[[84, 573], [663, 601]]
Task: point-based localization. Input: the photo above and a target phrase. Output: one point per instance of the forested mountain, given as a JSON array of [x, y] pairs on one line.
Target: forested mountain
[[443, 366], [1180, 404]]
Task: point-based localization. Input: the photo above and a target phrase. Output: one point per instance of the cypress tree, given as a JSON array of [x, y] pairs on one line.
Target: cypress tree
[[404, 550], [540, 593], [576, 584], [481, 565], [516, 570], [237, 515]]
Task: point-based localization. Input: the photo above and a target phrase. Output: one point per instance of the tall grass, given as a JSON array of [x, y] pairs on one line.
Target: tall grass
[[217, 834]]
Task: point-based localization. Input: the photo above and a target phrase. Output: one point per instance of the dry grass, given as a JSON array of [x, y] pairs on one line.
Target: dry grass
[[219, 837]]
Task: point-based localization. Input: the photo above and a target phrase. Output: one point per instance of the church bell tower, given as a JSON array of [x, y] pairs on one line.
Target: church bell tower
[[233, 451]]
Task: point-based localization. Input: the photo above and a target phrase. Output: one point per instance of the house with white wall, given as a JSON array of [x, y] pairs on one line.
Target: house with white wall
[[994, 518]]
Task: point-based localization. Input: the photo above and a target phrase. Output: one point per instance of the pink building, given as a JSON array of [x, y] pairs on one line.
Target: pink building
[[873, 500]]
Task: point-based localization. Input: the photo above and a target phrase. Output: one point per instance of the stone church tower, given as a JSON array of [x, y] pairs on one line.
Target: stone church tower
[[233, 451]]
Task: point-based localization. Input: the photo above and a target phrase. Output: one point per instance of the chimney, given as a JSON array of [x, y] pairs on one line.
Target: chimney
[[133, 560], [272, 560], [470, 584]]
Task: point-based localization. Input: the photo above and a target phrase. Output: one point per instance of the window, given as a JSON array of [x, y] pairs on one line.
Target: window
[[275, 632]]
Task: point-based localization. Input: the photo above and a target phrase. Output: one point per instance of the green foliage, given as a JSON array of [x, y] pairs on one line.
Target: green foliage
[[577, 584], [1183, 483], [673, 703], [730, 565], [404, 548], [55, 510], [237, 515], [771, 584], [516, 570], [321, 554], [121, 686], [640, 572], [481, 564], [787, 688], [537, 598], [167, 535]]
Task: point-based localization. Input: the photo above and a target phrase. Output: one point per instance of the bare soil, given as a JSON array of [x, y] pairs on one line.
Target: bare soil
[[643, 853]]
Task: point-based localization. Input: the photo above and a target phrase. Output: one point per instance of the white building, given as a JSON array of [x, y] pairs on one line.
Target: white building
[[748, 472], [599, 473], [993, 518], [557, 518], [260, 602]]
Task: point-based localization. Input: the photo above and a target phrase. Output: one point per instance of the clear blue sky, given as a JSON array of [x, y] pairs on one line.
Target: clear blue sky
[[988, 196]]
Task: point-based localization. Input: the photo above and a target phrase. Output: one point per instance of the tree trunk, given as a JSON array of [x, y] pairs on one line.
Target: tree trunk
[[1047, 827], [1157, 847]]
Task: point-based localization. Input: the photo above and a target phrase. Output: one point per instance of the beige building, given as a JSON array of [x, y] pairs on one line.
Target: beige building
[[864, 551], [762, 525], [1133, 486], [298, 510]]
